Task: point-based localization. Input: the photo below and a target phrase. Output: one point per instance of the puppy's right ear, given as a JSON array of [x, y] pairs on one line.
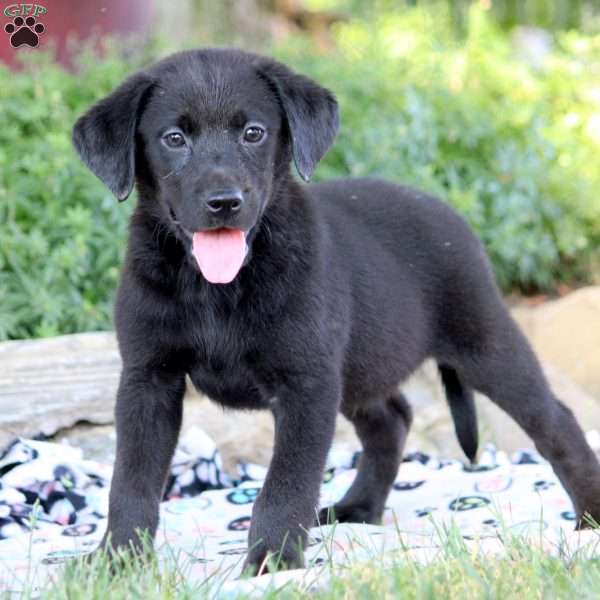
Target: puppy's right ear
[[311, 112], [104, 137]]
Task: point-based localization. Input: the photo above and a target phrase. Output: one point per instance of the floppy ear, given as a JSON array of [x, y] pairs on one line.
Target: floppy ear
[[104, 137], [311, 112]]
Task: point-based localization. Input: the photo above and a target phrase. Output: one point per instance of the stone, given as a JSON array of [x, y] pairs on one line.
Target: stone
[[50, 384]]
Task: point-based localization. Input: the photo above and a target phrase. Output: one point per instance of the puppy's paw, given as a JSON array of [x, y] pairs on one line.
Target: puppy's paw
[[121, 558], [260, 561]]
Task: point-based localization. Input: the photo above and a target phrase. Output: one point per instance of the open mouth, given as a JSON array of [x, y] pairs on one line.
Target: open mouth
[[219, 253]]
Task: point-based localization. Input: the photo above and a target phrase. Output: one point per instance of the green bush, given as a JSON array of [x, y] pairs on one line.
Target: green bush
[[512, 147], [62, 232]]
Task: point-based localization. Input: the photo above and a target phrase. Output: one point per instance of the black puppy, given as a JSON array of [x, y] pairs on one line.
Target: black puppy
[[303, 300]]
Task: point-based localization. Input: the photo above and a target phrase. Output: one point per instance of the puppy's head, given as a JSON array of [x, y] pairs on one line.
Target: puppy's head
[[207, 135]]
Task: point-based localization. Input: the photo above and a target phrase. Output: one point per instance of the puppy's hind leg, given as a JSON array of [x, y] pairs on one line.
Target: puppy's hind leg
[[507, 371], [382, 430]]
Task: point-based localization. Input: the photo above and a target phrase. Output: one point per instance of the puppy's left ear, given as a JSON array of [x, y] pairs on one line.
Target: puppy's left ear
[[311, 112], [104, 137]]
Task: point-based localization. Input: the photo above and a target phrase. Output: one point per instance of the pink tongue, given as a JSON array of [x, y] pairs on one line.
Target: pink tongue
[[219, 253]]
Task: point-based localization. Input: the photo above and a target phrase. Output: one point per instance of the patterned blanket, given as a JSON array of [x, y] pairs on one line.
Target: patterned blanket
[[53, 506]]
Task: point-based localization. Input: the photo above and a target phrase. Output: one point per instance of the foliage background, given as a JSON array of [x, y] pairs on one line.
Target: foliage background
[[437, 95]]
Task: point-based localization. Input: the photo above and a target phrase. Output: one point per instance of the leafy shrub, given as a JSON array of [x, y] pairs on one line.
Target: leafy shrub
[[62, 232], [511, 147]]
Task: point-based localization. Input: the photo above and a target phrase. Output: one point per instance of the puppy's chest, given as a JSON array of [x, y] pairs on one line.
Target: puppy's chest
[[225, 365]]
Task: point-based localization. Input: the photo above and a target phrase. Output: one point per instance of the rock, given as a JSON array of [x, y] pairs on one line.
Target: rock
[[50, 384]]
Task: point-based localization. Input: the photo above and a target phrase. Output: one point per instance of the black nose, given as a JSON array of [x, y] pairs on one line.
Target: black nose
[[225, 201]]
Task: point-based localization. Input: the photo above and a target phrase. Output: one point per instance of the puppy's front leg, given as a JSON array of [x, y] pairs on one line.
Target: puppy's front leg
[[148, 417], [285, 509]]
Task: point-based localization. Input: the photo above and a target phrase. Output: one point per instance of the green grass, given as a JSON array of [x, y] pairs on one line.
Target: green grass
[[521, 571]]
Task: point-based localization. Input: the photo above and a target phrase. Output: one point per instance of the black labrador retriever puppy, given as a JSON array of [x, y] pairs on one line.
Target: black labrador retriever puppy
[[304, 300]]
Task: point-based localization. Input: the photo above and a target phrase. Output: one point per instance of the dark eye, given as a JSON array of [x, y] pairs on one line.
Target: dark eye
[[254, 134], [174, 139]]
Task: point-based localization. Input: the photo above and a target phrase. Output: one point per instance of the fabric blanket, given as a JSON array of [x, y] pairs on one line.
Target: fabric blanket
[[53, 506]]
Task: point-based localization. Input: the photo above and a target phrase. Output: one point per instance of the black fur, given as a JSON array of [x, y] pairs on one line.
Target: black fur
[[348, 286]]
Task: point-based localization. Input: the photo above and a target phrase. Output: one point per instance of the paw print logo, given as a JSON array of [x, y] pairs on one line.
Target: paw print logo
[[24, 32]]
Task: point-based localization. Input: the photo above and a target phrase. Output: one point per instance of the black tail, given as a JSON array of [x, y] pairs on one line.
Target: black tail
[[462, 408]]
